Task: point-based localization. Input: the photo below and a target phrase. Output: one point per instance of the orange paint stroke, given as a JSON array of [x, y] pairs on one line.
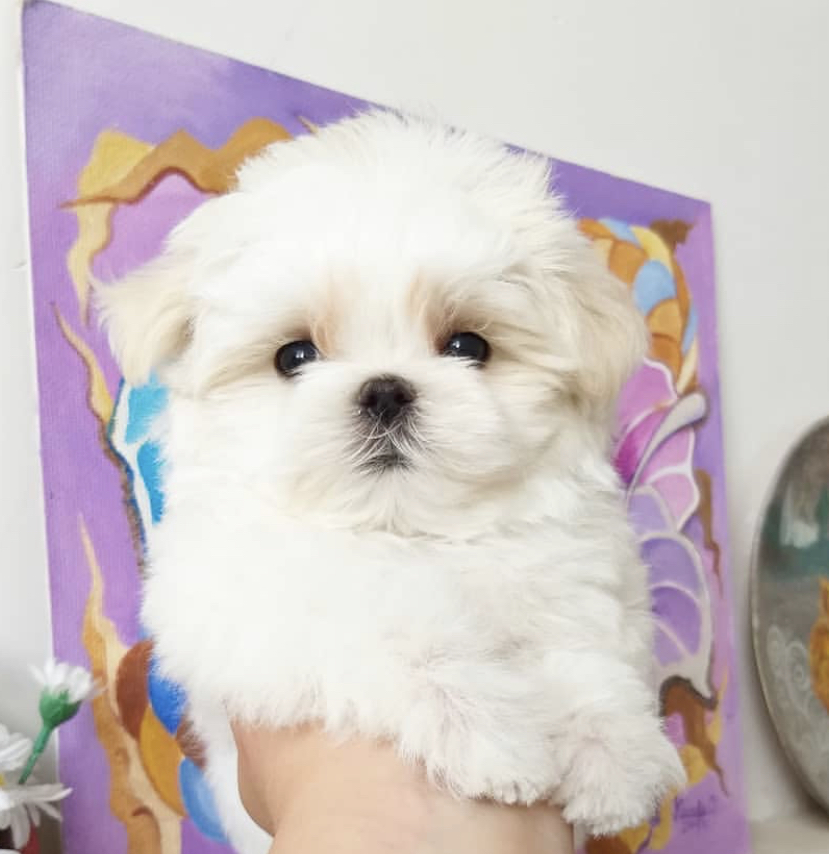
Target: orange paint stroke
[[819, 647], [98, 397], [667, 321], [151, 826], [114, 155], [209, 170], [706, 515]]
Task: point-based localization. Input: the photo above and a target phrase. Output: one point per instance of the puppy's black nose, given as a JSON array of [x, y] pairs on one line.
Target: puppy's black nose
[[384, 398]]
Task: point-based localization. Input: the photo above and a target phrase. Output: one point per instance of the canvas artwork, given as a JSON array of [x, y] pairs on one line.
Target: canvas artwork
[[128, 132]]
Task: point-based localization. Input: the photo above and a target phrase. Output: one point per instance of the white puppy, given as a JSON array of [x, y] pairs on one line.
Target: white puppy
[[393, 362]]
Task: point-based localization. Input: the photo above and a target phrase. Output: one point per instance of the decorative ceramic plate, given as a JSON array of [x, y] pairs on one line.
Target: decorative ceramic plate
[[790, 593]]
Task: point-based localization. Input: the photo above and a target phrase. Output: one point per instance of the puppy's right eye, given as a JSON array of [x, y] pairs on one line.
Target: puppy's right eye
[[294, 356]]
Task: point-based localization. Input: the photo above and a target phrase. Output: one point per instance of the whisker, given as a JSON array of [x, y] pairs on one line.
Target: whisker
[[382, 446]]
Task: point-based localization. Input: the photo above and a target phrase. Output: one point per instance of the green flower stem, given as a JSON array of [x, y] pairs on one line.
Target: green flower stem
[[37, 751], [56, 709]]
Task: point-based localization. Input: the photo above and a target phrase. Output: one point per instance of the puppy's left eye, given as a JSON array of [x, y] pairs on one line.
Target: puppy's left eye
[[467, 345], [292, 357]]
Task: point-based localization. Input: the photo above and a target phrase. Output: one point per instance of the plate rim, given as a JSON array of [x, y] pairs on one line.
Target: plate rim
[[814, 427]]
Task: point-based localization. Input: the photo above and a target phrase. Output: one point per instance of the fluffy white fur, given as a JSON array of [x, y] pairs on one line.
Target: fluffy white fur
[[484, 606]]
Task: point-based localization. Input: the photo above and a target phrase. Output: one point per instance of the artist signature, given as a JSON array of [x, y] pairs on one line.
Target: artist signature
[[694, 814]]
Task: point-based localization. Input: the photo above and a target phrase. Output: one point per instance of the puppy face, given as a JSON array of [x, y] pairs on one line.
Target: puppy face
[[387, 325]]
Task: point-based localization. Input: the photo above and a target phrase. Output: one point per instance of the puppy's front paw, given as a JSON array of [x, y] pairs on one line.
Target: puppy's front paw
[[515, 770], [509, 778], [618, 775], [524, 791]]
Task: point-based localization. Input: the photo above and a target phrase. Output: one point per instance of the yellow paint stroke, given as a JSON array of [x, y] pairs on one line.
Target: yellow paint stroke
[[308, 124], [662, 832], [653, 244], [207, 169], [161, 756], [151, 826], [714, 728], [113, 157], [688, 372], [98, 397], [665, 319]]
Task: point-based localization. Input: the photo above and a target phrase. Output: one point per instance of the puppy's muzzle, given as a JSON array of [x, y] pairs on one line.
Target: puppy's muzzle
[[385, 399]]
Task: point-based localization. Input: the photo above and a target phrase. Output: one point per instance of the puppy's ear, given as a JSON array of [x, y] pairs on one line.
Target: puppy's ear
[[148, 315], [611, 336]]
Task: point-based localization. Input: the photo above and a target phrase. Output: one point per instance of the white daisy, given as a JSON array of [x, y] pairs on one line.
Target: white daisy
[[14, 748], [58, 677], [20, 808], [64, 689]]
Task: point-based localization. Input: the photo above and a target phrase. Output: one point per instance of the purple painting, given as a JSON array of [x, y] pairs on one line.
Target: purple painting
[[126, 133]]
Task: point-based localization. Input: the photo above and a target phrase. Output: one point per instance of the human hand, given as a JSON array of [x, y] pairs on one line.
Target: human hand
[[317, 795]]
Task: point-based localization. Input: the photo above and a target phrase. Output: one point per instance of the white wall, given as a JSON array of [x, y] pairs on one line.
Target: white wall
[[720, 99], [24, 608]]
